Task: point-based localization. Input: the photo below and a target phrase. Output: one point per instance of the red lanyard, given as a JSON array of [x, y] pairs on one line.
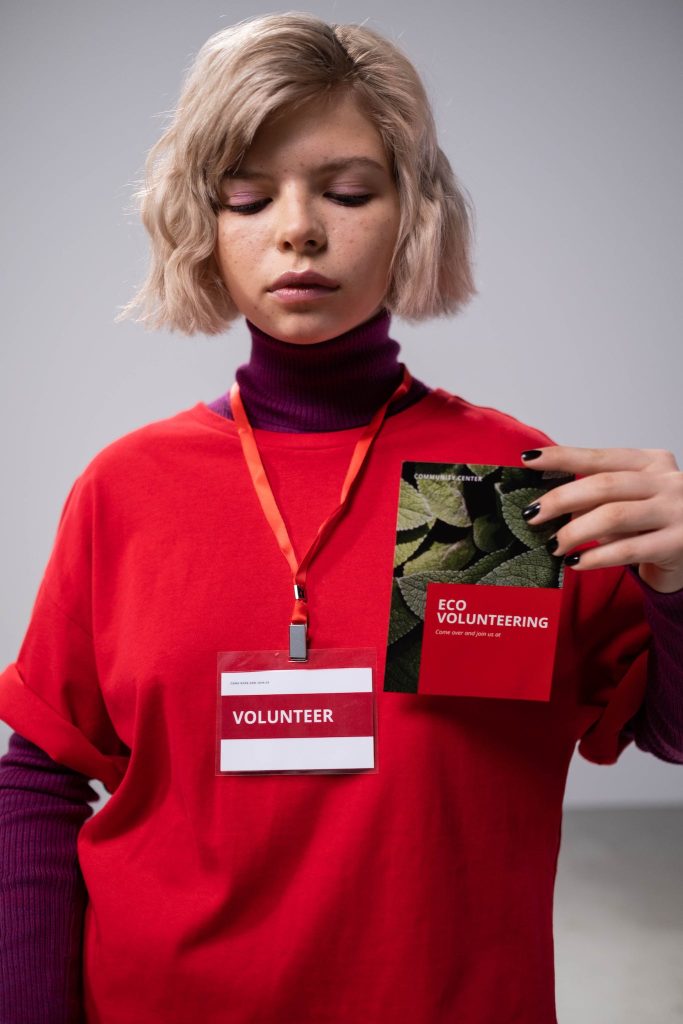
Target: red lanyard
[[297, 629]]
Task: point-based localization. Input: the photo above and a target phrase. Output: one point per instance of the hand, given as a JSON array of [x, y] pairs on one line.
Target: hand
[[629, 500]]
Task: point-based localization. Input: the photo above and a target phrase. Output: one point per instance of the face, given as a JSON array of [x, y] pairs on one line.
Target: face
[[289, 212]]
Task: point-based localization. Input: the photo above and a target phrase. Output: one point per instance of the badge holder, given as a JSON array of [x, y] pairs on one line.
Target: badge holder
[[298, 711], [280, 716]]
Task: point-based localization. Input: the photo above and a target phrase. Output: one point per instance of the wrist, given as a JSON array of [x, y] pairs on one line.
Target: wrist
[[665, 581]]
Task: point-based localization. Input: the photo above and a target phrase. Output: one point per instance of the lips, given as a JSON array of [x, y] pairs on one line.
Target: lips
[[306, 279]]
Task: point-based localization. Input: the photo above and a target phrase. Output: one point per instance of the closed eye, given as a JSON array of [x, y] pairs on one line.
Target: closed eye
[[349, 200], [344, 199], [247, 207]]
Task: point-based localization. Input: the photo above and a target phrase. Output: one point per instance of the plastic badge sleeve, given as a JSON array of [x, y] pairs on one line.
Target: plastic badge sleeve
[[276, 716]]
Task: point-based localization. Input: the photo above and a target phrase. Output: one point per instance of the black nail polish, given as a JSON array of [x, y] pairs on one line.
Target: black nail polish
[[530, 511], [532, 453], [571, 559], [552, 545]]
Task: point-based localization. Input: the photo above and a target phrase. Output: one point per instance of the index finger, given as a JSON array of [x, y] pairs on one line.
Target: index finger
[[586, 460]]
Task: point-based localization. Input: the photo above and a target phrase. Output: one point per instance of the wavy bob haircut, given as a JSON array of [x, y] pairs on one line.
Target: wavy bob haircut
[[263, 66]]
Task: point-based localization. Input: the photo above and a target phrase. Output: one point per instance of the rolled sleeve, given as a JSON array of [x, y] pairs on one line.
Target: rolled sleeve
[[51, 693]]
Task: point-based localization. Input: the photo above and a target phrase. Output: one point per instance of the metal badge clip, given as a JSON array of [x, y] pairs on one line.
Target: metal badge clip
[[297, 641]]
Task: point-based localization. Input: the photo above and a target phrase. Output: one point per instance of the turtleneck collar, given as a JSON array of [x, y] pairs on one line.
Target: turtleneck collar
[[332, 385]]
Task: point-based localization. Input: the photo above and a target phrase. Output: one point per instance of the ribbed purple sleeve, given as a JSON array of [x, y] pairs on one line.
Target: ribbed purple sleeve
[[658, 726], [43, 805]]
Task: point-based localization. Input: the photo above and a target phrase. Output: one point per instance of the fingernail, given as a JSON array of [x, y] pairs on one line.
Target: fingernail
[[531, 510], [532, 453], [571, 559], [552, 545]]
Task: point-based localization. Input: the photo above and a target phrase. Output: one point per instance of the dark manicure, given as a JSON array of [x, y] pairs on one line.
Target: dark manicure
[[532, 453], [530, 511], [571, 559], [552, 545]]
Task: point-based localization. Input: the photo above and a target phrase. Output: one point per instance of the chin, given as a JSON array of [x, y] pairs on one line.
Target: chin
[[305, 326], [310, 326]]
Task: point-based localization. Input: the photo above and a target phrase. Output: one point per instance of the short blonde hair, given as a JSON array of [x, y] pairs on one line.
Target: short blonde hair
[[254, 69]]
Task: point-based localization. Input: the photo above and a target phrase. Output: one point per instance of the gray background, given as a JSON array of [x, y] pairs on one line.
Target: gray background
[[562, 121]]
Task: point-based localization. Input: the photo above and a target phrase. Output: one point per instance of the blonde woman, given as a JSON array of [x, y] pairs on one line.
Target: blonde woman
[[300, 185]]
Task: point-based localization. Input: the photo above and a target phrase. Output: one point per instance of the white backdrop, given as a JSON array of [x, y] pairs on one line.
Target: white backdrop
[[561, 120]]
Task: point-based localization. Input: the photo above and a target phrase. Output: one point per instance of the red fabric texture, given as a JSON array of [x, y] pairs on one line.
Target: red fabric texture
[[420, 893]]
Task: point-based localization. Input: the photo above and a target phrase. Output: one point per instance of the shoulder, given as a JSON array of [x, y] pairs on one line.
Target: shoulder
[[481, 426], [147, 445], [490, 418], [139, 461]]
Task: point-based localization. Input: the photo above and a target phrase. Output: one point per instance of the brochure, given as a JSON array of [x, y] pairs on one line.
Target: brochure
[[475, 594]]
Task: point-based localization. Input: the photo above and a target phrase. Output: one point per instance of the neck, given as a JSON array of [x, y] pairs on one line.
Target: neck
[[331, 385]]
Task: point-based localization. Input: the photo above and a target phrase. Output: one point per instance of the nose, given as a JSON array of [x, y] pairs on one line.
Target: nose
[[299, 225]]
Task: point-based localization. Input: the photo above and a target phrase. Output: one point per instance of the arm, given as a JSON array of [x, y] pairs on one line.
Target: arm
[[43, 805], [627, 506], [658, 726]]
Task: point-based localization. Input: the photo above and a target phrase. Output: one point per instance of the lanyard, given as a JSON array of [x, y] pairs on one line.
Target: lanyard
[[299, 621]]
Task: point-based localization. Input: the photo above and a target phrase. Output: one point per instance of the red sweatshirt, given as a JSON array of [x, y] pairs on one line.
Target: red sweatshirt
[[420, 893]]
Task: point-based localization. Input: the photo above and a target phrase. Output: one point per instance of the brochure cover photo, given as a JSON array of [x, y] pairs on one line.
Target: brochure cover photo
[[475, 594]]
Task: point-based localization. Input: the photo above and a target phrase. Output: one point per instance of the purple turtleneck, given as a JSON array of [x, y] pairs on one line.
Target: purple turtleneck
[[333, 385]]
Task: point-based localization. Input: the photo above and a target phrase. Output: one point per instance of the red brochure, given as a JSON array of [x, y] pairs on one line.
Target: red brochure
[[475, 595]]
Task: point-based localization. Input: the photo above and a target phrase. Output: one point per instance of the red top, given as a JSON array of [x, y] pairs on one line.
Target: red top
[[420, 893]]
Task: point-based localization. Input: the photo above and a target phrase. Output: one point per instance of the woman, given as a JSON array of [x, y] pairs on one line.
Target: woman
[[421, 891]]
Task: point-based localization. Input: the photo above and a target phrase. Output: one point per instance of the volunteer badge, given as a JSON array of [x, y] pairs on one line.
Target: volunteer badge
[[275, 716]]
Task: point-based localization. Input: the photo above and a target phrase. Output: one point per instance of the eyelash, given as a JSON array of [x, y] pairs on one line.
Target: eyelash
[[346, 200]]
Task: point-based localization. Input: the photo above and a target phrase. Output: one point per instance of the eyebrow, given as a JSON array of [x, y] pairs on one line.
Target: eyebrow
[[344, 163]]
